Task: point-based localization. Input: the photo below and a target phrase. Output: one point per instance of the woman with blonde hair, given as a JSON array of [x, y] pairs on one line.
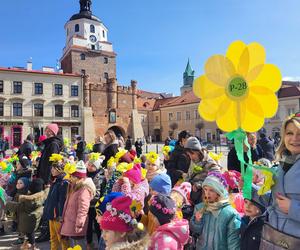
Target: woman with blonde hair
[[282, 230], [111, 146]]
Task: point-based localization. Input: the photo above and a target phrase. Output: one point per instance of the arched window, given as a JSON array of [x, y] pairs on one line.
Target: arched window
[[76, 27], [105, 60], [103, 33], [82, 56], [92, 28]]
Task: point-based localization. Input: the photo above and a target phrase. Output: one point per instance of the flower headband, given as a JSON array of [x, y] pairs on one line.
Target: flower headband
[[128, 219], [158, 206], [152, 157], [294, 115]]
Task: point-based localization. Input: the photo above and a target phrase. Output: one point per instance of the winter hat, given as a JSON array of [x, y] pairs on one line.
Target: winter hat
[[101, 204], [30, 137], [161, 183], [53, 127], [97, 161], [42, 138], [216, 181], [117, 216], [260, 201], [37, 185], [24, 161], [193, 144], [80, 170], [184, 189], [25, 181], [134, 174], [163, 208]]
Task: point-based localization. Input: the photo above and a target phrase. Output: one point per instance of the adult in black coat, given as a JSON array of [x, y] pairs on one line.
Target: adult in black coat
[[179, 161], [53, 145], [27, 147], [128, 143], [267, 146], [99, 145], [257, 153], [111, 147], [80, 148]]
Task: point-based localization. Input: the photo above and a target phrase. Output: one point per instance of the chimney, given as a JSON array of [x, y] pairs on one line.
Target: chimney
[[29, 65]]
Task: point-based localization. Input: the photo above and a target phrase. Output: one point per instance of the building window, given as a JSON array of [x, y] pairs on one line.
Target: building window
[[17, 109], [188, 115], [17, 87], [92, 28], [178, 116], [60, 131], [83, 72], [103, 33], [58, 110], [196, 114], [112, 116], [1, 109], [93, 47], [1, 87], [105, 60], [170, 116], [156, 118], [76, 27], [82, 56], [58, 89], [74, 111], [38, 109], [106, 75], [74, 90], [291, 111], [38, 88]]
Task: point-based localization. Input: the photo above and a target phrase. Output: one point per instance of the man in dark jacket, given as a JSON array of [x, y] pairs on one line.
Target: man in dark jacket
[[27, 147], [179, 160], [128, 143], [53, 145], [267, 146], [80, 148]]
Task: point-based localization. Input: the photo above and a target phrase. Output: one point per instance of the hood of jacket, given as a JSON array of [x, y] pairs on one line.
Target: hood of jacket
[[178, 229], [38, 198], [134, 245], [55, 139], [87, 183]]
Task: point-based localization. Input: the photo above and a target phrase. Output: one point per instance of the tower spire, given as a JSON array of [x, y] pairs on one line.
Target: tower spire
[[85, 5]]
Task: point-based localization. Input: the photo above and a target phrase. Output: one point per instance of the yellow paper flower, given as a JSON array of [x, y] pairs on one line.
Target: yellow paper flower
[[238, 90], [94, 156], [13, 158], [111, 162], [137, 160], [119, 155], [75, 146], [268, 182], [3, 165], [89, 146], [144, 173], [69, 169], [215, 157], [34, 155], [77, 247], [166, 150], [135, 207], [56, 158], [122, 167], [66, 142], [152, 157]]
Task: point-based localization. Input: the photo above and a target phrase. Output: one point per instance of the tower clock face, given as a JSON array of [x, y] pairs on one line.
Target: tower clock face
[[93, 39]]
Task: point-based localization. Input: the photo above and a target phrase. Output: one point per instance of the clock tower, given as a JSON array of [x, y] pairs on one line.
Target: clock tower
[[87, 50]]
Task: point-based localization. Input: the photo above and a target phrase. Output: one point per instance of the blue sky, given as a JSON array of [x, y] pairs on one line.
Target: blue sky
[[154, 38]]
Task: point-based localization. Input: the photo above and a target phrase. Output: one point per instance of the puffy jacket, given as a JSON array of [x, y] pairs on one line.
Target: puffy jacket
[[178, 164], [55, 202], [75, 219], [53, 145], [251, 232], [219, 233], [173, 236]]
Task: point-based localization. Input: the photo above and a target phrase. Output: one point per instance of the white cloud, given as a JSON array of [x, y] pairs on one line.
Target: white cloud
[[291, 78]]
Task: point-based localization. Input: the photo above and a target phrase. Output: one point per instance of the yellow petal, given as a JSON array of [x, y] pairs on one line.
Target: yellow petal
[[250, 122], [266, 99], [235, 51], [269, 77], [257, 55], [204, 88], [227, 117], [244, 62], [208, 108], [219, 69]]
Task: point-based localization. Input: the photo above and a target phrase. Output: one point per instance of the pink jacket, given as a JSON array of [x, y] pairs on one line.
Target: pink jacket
[[173, 236], [138, 192], [74, 218]]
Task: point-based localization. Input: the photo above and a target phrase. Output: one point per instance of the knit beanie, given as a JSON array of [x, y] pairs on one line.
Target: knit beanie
[[101, 204], [117, 216], [193, 144], [53, 127], [184, 189], [163, 208], [161, 183], [42, 138], [80, 171], [260, 201], [24, 161], [25, 181], [216, 181], [37, 185], [134, 174]]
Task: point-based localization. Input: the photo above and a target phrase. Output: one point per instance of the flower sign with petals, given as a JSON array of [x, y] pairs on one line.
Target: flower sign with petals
[[238, 90]]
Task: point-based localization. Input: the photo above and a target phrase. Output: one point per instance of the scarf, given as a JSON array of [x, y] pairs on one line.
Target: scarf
[[288, 160], [215, 208]]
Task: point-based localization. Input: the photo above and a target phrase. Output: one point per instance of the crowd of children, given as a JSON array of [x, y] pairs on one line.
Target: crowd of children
[[146, 202]]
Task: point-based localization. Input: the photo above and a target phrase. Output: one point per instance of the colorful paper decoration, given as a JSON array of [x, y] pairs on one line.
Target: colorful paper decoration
[[238, 92]]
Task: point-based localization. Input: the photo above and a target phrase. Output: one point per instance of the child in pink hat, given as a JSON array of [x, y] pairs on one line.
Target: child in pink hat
[[133, 185], [181, 194], [120, 228]]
